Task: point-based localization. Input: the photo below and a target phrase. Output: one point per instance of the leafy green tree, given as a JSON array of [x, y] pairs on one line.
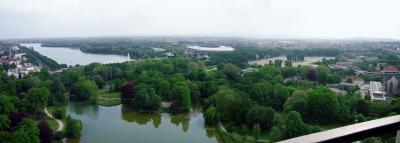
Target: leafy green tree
[[83, 90], [11, 88], [361, 106], [322, 74], [73, 127], [294, 126], [297, 102], [57, 91], [227, 104], [60, 113], [71, 77], [26, 132], [231, 71], [344, 110], [281, 93], [163, 88], [24, 85], [323, 105], [146, 98], [99, 81], [195, 91], [44, 73], [289, 72], [395, 105], [211, 116], [4, 122], [6, 105], [378, 109], [276, 134], [261, 116], [182, 92], [36, 98], [261, 93]]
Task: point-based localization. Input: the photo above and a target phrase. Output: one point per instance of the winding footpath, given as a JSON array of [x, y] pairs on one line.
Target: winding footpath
[[59, 122]]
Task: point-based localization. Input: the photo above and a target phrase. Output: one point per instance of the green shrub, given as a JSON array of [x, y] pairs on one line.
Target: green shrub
[[59, 135], [60, 113], [73, 128]]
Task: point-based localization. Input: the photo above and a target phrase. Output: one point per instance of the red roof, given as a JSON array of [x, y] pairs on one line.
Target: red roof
[[355, 78], [390, 68]]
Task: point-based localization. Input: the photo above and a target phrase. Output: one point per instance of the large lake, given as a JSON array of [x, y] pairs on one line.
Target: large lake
[[70, 56], [121, 124]]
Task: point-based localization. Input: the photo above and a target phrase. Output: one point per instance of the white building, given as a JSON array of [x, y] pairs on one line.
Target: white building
[[376, 91], [202, 52]]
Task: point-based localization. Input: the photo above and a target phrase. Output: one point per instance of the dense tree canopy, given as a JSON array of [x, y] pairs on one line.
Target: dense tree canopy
[[294, 126], [261, 116], [146, 98], [83, 90], [227, 104], [37, 98], [73, 128]]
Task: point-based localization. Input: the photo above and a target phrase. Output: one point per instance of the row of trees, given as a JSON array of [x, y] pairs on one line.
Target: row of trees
[[242, 55], [36, 58]]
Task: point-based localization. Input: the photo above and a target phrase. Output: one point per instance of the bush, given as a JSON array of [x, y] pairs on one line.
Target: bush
[[210, 116], [73, 128], [45, 132], [128, 91], [261, 116], [60, 113], [59, 135]]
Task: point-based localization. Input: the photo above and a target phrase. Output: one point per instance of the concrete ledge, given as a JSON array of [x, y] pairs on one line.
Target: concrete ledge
[[352, 132]]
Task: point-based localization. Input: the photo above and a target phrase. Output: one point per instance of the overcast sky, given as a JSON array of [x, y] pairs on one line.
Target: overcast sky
[[252, 18]]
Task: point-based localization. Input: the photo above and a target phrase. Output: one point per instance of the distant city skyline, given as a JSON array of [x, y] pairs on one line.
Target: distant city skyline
[[328, 19]]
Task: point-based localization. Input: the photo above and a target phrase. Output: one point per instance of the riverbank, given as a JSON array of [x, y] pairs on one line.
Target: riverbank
[[105, 98]]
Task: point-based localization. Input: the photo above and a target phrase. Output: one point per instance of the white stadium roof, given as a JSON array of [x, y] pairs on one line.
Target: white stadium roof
[[211, 49]]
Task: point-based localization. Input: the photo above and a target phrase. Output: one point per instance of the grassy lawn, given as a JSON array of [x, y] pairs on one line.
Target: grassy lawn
[[108, 98], [53, 124]]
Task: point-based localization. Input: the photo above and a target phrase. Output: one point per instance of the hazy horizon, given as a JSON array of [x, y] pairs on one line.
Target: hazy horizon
[[339, 19]]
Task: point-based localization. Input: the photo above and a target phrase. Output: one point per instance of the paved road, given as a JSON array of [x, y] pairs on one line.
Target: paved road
[[59, 122]]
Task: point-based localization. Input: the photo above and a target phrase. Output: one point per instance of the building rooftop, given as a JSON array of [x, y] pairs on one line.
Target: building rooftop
[[211, 49], [390, 69], [158, 49], [356, 78], [375, 87]]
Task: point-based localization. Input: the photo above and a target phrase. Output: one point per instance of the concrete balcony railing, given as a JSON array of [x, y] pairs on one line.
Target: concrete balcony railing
[[353, 132]]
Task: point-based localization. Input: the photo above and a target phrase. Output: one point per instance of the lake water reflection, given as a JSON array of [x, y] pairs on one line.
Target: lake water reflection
[[121, 124], [69, 56]]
